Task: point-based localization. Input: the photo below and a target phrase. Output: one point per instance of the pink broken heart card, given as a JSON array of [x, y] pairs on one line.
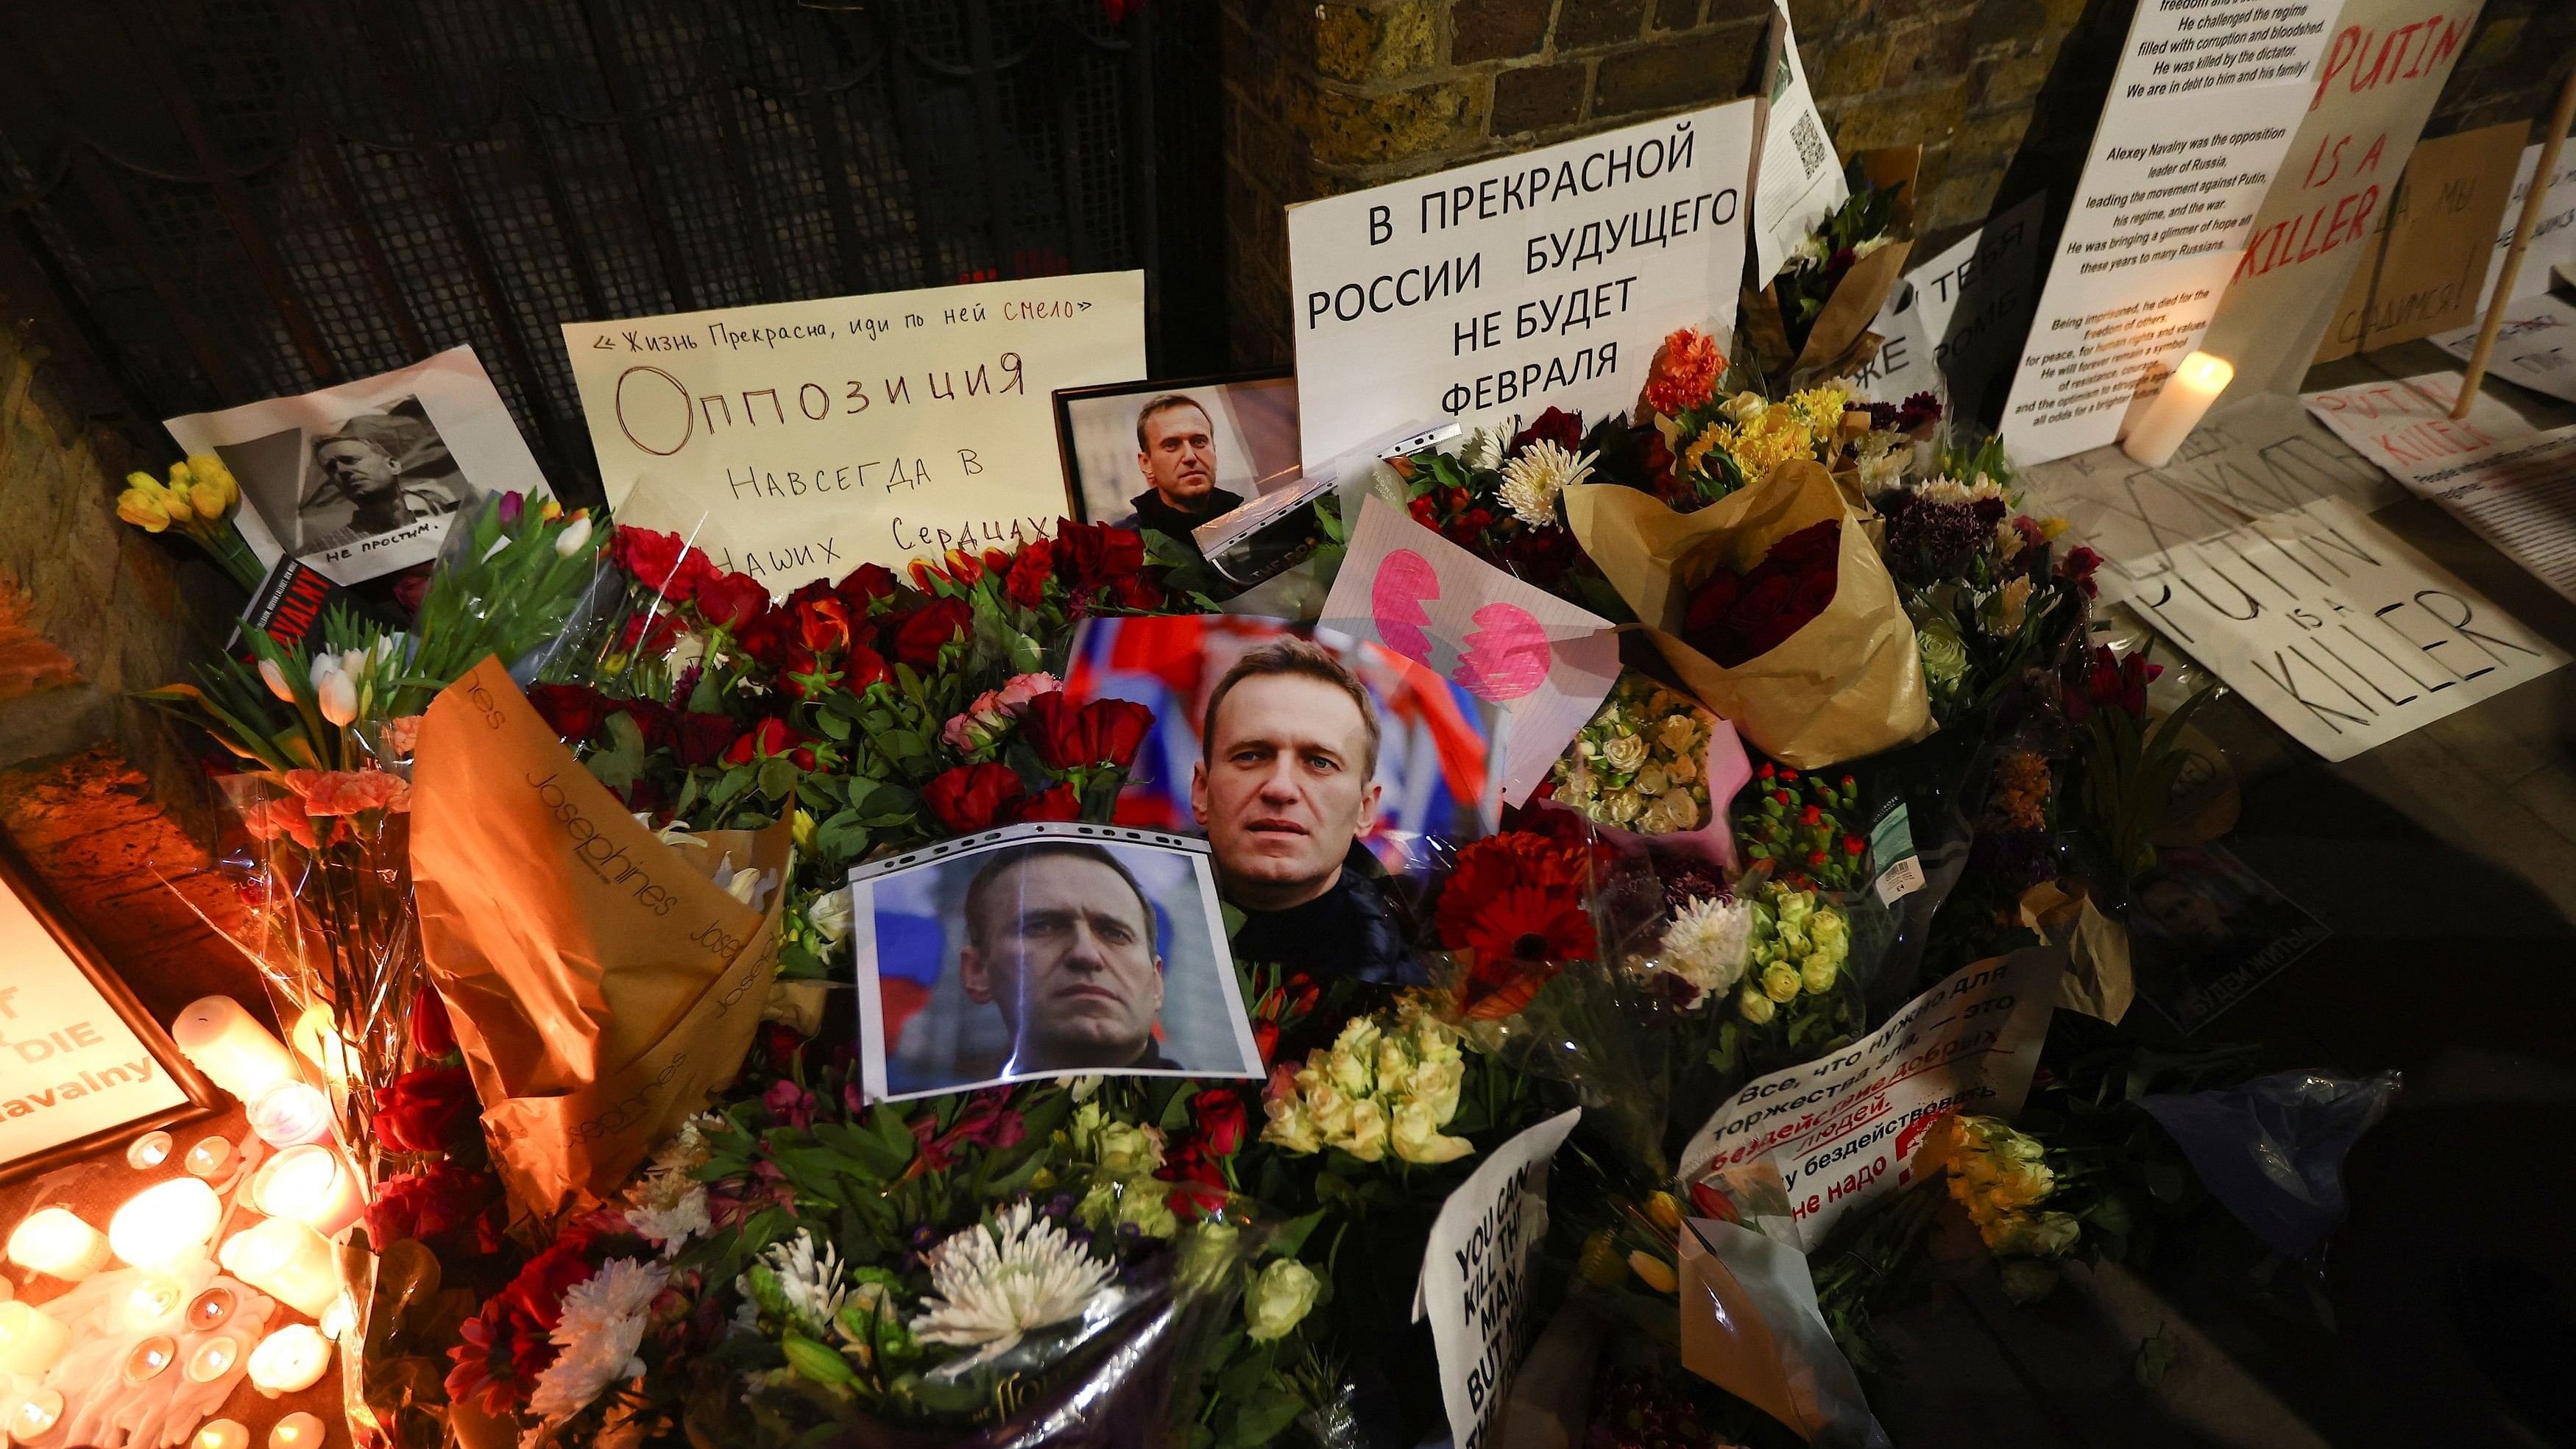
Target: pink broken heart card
[[1544, 663]]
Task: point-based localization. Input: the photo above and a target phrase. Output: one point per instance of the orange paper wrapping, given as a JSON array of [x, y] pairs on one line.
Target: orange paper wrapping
[[1849, 683], [600, 982], [1841, 343]]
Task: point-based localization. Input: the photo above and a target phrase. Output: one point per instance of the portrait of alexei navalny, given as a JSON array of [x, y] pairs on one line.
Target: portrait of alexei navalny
[[1043, 951], [1167, 457], [1320, 769], [377, 473]]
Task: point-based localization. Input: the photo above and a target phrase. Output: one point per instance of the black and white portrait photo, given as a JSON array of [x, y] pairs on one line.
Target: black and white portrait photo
[[377, 473]]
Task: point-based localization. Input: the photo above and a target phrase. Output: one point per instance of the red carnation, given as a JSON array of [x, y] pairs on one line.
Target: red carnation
[[1684, 373], [1557, 426], [538, 1291], [916, 638], [658, 561], [730, 601], [573, 711], [424, 1110], [1103, 732], [974, 797]]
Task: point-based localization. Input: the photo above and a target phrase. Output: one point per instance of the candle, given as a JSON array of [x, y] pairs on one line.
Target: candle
[[2177, 410], [287, 1260], [210, 1308], [291, 1114], [209, 1159], [30, 1339], [342, 1317], [318, 1041], [165, 1222], [35, 1418], [213, 1359], [296, 1431], [309, 1184], [149, 1150], [52, 1240], [222, 1434], [154, 1299], [289, 1360], [151, 1358], [229, 1045]]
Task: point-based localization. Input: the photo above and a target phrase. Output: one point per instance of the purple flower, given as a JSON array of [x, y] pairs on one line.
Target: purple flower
[[513, 503], [789, 1103]]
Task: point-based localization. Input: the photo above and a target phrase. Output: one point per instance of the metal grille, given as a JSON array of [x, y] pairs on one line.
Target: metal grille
[[224, 200]]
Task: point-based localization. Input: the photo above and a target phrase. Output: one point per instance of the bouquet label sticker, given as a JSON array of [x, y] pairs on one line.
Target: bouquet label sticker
[[2201, 112], [1545, 663], [1475, 1277], [363, 478], [1842, 1129], [1502, 287], [2335, 628], [1891, 844], [799, 440]]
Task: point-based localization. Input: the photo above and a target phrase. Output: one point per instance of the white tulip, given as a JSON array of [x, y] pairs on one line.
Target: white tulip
[[338, 696], [325, 664], [275, 679], [574, 539]]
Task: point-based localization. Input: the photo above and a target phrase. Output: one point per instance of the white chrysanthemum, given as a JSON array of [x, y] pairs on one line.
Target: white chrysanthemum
[[811, 1279], [1484, 449], [1533, 479], [603, 1325], [988, 1286], [671, 1225], [1708, 943]]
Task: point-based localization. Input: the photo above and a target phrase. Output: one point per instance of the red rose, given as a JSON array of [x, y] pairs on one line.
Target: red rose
[[730, 601], [538, 1291], [1712, 602], [652, 719], [762, 741], [432, 1034], [1103, 732], [765, 638], [1055, 802], [803, 674], [917, 637], [700, 739], [865, 585], [1135, 591], [573, 711], [779, 1044], [409, 587], [864, 667], [1027, 578], [1089, 555], [426, 1204], [1557, 426], [424, 1110], [1219, 1114], [823, 625], [973, 797]]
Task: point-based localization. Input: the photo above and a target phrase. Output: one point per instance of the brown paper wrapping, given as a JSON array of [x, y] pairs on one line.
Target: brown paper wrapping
[[600, 982], [1847, 684], [2097, 980], [1841, 343]]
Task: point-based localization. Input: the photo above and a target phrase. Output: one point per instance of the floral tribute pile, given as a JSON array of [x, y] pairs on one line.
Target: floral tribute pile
[[1171, 1260]]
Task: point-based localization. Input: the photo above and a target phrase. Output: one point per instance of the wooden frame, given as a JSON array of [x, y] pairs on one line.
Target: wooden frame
[[1140, 388], [199, 1097]]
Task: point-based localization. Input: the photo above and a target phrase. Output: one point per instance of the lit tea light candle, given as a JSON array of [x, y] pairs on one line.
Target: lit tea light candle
[[311, 1185], [210, 1308], [229, 1045], [318, 1041], [155, 1298], [296, 1431], [222, 1434], [289, 1360], [149, 1150], [213, 1359], [2178, 409], [291, 1114], [30, 1339], [36, 1417], [151, 1359], [165, 1222], [210, 1159], [54, 1241], [342, 1318], [286, 1260]]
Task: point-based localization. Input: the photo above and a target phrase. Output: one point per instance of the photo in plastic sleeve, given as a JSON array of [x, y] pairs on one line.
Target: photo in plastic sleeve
[[1171, 455], [1330, 777], [2206, 930], [362, 479], [1044, 950]]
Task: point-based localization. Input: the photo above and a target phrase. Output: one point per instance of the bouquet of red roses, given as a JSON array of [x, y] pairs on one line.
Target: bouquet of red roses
[[1733, 617]]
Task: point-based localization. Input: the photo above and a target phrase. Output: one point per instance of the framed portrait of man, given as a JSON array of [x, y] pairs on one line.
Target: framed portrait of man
[[1170, 455]]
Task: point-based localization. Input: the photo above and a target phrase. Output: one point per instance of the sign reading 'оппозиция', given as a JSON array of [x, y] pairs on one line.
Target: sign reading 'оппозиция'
[[1503, 287], [799, 440]]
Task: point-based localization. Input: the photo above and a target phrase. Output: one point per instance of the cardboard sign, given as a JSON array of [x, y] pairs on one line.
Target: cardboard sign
[[2335, 628], [1841, 1130], [1955, 319], [799, 440], [1544, 662], [1475, 1277], [2422, 269], [1501, 288], [2202, 109], [70, 1067], [2381, 73]]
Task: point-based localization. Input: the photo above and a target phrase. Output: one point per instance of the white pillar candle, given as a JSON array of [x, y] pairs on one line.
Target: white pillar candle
[[289, 1360], [2178, 409], [222, 1434], [296, 1431], [311, 1185], [286, 1260], [291, 1114], [229, 1045], [35, 1418], [318, 1041], [165, 1222], [30, 1339], [53, 1241]]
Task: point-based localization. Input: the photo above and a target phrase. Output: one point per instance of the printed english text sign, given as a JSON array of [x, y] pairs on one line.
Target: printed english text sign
[[1475, 1277], [2335, 628], [1506, 286], [69, 1065], [799, 440], [1544, 662]]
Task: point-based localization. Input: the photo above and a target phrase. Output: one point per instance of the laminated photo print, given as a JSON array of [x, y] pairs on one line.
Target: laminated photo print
[[2206, 930], [1173, 455], [1052, 949], [1329, 778], [362, 479]]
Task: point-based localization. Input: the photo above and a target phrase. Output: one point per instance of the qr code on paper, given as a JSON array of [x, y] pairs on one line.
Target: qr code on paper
[[1810, 140]]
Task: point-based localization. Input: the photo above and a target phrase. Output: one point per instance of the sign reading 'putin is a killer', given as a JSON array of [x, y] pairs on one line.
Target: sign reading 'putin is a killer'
[[1502, 288], [799, 440]]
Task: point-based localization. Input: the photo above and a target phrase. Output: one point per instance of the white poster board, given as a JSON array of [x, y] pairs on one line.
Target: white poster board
[[2200, 116], [1475, 1277], [69, 1065], [2535, 345], [1800, 181], [1504, 287], [798, 440], [2553, 237], [1952, 322]]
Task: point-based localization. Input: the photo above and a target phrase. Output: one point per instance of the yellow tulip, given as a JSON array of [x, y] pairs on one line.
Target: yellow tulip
[[144, 510], [208, 500], [174, 501], [215, 480]]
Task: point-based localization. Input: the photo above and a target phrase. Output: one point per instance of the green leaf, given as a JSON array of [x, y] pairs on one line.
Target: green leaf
[[777, 777]]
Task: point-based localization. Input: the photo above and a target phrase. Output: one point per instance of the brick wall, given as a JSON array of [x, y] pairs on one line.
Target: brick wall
[[1328, 98]]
